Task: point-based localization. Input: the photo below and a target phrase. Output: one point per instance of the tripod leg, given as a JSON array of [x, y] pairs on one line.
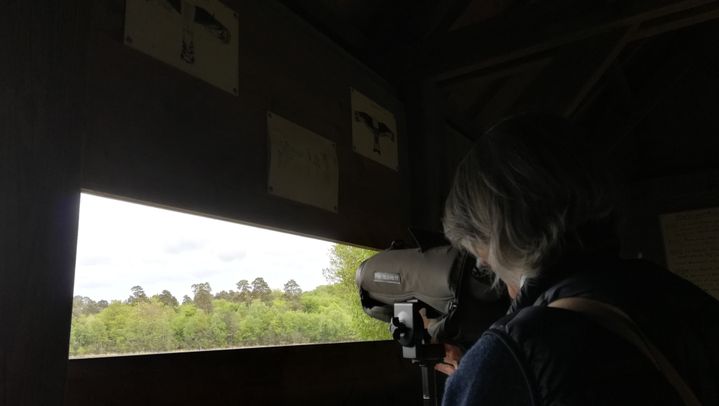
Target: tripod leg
[[429, 386]]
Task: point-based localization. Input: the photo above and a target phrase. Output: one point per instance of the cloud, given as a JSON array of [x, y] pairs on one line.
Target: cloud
[[124, 244], [183, 246], [230, 256], [97, 284], [206, 273], [94, 260]]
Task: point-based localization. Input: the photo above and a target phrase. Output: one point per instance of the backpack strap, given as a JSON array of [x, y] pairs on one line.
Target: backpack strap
[[618, 322]]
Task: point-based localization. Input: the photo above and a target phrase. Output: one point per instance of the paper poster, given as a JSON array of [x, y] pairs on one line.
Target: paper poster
[[691, 243], [374, 131], [198, 37], [303, 165]]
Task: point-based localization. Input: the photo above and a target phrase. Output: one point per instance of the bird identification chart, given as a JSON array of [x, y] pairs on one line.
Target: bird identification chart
[[374, 131], [198, 37], [303, 165], [691, 243]]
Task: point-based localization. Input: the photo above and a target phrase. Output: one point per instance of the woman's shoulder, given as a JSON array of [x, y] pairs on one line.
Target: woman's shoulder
[[566, 354]]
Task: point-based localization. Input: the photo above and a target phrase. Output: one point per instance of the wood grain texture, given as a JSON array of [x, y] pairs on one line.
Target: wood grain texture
[[371, 373], [158, 135], [40, 143]]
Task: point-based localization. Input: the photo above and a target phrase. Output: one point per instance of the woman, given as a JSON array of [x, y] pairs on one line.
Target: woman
[[533, 206]]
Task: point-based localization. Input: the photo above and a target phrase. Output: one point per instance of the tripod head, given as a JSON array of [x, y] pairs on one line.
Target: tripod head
[[407, 328], [458, 298]]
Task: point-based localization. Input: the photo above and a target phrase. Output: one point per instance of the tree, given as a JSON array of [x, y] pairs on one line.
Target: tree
[[261, 290], [230, 296], [244, 291], [344, 261], [148, 329], [292, 290], [138, 295], [252, 315], [83, 305], [292, 294], [167, 299], [203, 296]]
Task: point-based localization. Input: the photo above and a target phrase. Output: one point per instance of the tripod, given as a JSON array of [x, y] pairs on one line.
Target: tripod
[[407, 327]]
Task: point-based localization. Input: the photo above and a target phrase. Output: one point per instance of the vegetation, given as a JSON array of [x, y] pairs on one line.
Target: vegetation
[[252, 315]]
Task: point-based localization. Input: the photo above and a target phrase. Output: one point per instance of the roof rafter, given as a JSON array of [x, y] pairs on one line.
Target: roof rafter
[[530, 31]]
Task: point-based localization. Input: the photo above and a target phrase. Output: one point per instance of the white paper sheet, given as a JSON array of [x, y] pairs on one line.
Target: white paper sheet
[[691, 242], [198, 37], [374, 131], [303, 165]]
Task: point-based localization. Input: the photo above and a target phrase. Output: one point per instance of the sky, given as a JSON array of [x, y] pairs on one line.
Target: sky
[[123, 244]]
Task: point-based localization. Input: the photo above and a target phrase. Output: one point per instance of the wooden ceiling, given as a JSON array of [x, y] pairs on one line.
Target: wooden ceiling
[[490, 58], [385, 34]]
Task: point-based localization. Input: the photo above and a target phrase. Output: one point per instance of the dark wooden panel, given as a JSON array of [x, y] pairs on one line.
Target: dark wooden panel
[[371, 373], [40, 111], [428, 154], [156, 134]]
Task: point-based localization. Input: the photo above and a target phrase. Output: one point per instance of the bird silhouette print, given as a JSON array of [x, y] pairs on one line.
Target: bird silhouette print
[[378, 128]]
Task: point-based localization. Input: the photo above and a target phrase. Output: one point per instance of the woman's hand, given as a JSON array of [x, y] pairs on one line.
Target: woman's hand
[[452, 355]]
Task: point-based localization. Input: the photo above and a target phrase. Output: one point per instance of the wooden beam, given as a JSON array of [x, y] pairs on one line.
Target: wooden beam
[[660, 86], [633, 104], [535, 29], [327, 21], [499, 71], [577, 68], [677, 21], [501, 104], [336, 30], [427, 144], [41, 89], [462, 127], [444, 16], [606, 57]]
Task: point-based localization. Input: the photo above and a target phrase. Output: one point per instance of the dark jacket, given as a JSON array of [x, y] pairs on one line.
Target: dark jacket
[[567, 359]]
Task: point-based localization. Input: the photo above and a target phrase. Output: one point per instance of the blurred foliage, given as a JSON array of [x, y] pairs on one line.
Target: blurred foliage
[[254, 315]]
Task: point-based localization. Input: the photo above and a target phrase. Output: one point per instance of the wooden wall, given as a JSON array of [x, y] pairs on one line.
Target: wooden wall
[[656, 117], [331, 374], [41, 106], [157, 135], [82, 110]]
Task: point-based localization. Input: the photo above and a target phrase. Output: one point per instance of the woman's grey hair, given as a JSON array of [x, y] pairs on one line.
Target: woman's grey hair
[[524, 192]]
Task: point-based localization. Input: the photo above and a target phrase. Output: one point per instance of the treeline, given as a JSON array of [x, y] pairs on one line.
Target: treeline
[[252, 315]]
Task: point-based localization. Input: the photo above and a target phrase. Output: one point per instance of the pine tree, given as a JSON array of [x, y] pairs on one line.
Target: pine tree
[[203, 296], [261, 290]]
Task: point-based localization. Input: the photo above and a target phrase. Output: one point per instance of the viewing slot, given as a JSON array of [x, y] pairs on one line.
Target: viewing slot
[[151, 280]]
